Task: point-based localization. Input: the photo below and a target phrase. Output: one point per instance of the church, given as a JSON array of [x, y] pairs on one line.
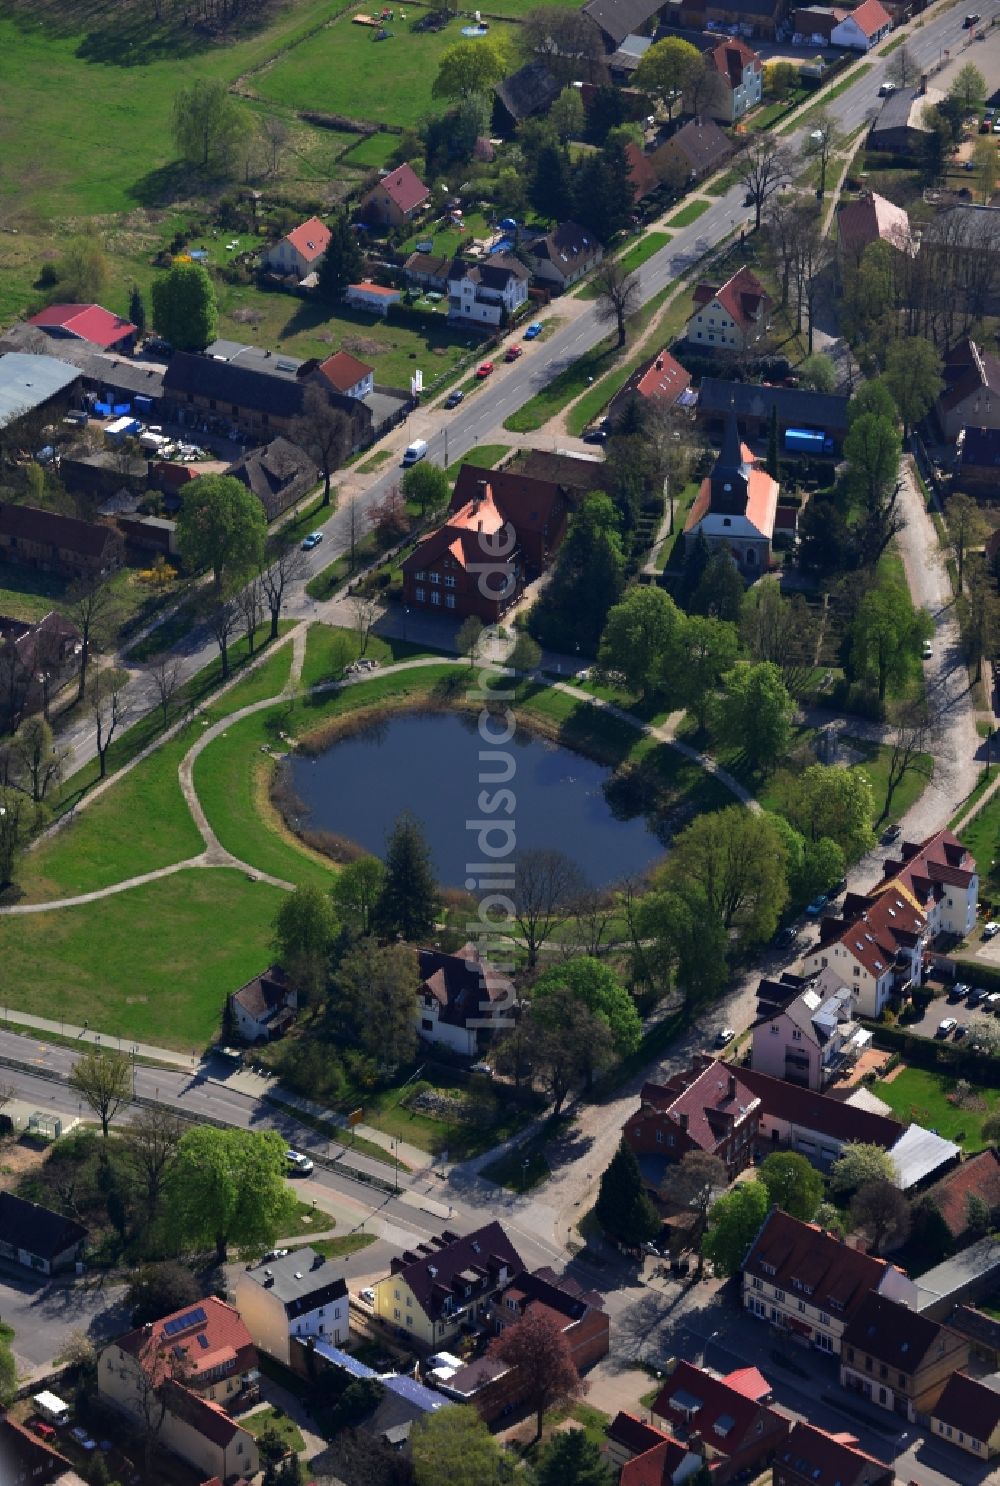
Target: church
[[736, 507]]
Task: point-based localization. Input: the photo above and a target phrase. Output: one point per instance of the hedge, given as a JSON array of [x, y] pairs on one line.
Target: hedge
[[947, 1058]]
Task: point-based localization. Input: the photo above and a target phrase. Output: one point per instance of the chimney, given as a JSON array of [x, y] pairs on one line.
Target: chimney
[[923, 84], [479, 525], [480, 494], [731, 1094], [682, 1118]]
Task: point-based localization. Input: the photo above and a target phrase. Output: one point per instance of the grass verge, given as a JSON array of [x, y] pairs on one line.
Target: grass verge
[[486, 456], [689, 213]]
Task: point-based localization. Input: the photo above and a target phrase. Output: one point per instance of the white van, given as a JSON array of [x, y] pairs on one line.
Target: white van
[[52, 1408], [415, 451]]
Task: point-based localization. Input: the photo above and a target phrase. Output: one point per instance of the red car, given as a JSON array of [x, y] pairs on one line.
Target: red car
[[512, 353], [44, 1431], [485, 369]]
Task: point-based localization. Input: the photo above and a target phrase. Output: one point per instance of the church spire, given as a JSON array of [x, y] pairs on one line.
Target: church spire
[[731, 475]]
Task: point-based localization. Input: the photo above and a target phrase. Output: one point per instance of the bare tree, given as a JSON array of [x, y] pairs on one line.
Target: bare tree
[[912, 741], [166, 674], [103, 1079], [763, 167], [671, 440], [324, 432], [821, 143], [250, 602], [967, 528], [7, 1093], [903, 67], [704, 90], [276, 135], [151, 1142], [155, 1366], [618, 295], [566, 40], [91, 606], [695, 1184], [110, 708], [593, 910], [223, 621], [364, 607], [285, 567], [13, 827], [547, 882]]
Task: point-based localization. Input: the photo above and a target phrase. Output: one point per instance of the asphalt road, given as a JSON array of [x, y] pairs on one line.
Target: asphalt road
[[513, 385]]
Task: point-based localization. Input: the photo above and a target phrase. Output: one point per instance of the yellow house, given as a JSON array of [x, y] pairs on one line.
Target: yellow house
[[431, 1291], [968, 1415]]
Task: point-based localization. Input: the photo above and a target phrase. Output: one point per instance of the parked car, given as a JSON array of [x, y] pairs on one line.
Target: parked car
[[975, 995], [454, 398], [298, 1164], [312, 540], [484, 370], [725, 1037], [926, 650], [958, 990], [368, 1296], [815, 908], [992, 1001], [512, 353], [961, 1031], [784, 936], [83, 1438], [991, 929], [971, 20], [533, 330], [890, 835], [43, 1430], [886, 89], [840, 886], [947, 1026]]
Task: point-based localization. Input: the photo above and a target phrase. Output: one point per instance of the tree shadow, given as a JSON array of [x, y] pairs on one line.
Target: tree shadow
[[163, 185]]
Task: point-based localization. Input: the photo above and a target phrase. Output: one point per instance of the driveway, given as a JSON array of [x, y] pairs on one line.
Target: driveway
[[46, 1313]]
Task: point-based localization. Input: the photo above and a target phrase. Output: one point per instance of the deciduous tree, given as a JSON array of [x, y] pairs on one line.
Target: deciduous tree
[[223, 621], [755, 713], [886, 635], [547, 883], [967, 528], [281, 568], [324, 432], [537, 1346], [795, 1186], [882, 1212], [913, 377], [618, 292], [206, 124], [471, 67], [220, 526], [666, 69], [110, 709], [968, 88], [103, 1079], [82, 270], [565, 1043], [374, 993], [184, 310], [594, 985], [151, 1146], [566, 115], [639, 636], [834, 802], [356, 891], [469, 637], [156, 1290], [702, 651], [872, 448], [734, 858], [902, 68], [93, 608], [679, 937], [166, 677], [304, 930], [696, 1182], [821, 143], [39, 762], [228, 1186], [427, 485], [732, 1226], [763, 167], [859, 1163], [453, 1447]]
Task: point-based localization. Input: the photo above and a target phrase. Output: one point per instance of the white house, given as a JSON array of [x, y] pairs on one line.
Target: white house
[[299, 253], [730, 317], [862, 28], [376, 298], [736, 506], [459, 997], [813, 1038], [487, 293], [297, 1295], [740, 86], [347, 375], [265, 1006], [564, 255]]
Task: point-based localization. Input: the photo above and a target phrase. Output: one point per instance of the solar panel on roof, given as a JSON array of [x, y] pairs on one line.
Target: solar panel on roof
[[181, 1323], [203, 1340]]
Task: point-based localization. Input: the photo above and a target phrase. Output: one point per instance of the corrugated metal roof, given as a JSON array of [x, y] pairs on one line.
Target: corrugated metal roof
[[26, 382], [918, 1152], [343, 1360]]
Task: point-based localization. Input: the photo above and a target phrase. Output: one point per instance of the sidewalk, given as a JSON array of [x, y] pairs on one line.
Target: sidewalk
[[86, 1034]]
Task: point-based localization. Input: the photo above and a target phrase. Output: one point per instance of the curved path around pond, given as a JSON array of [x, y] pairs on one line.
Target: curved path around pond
[[216, 855]]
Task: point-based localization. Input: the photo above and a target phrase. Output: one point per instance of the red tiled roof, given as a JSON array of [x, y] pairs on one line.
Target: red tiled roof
[[762, 498], [405, 188], [716, 1098], [460, 536], [872, 218], [201, 1414], [641, 171], [812, 1111], [374, 289], [741, 296], [664, 378], [751, 1382], [731, 59], [634, 1434], [656, 1467], [527, 502], [979, 1176], [969, 1406], [874, 929], [91, 322], [344, 371], [938, 858], [871, 17], [799, 1256], [724, 1417], [225, 1337], [831, 1459], [311, 239]]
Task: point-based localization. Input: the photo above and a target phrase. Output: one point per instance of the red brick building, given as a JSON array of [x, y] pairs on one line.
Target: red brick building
[[708, 1107], [727, 1420], [812, 1457], [536, 508]]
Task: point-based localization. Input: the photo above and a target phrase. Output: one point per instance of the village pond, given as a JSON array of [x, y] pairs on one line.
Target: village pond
[[430, 765]]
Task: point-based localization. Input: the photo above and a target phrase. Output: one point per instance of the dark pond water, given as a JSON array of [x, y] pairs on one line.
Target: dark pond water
[[429, 764]]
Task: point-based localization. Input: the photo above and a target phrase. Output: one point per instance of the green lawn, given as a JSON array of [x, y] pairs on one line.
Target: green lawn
[[634, 257], [339, 1248], [375, 462], [388, 82], [920, 1097], [26, 595], [564, 387], [689, 213], [372, 153], [982, 837], [270, 1418], [154, 963], [485, 456]]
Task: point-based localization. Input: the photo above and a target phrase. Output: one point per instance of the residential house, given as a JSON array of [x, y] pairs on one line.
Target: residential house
[[661, 380], [298, 253], [971, 395], [35, 660], [813, 1039], [395, 199], [863, 27], [25, 1458], [730, 317], [812, 1457], [706, 1107], [616, 19], [573, 475], [203, 1434], [534, 506], [564, 255], [53, 543], [979, 1177], [814, 23], [810, 1285], [526, 93], [898, 1359], [738, 85], [469, 565], [752, 405], [295, 1295], [264, 1007], [253, 388], [870, 219], [813, 1124], [431, 1291], [643, 171], [877, 944], [698, 149], [968, 1415], [460, 995], [624, 61], [487, 293], [33, 385], [38, 1238], [978, 451], [901, 123], [87, 322], [646, 1456], [427, 271], [348, 375], [377, 299], [736, 507], [728, 1420], [279, 473]]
